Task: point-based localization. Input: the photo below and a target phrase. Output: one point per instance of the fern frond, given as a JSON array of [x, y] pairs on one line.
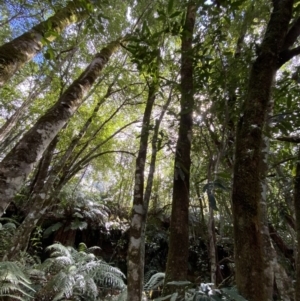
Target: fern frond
[[155, 281], [11, 271], [82, 247], [13, 297], [110, 280], [92, 249], [148, 275], [58, 250]]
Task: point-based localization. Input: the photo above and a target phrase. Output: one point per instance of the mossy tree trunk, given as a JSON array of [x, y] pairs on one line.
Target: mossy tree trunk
[[14, 54], [177, 262], [21, 160], [247, 190], [135, 258]]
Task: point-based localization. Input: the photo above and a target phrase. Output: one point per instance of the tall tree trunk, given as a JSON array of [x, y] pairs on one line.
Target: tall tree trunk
[[247, 189], [46, 187], [177, 262], [20, 161], [135, 261], [14, 54], [12, 121], [269, 253], [297, 211], [21, 238]]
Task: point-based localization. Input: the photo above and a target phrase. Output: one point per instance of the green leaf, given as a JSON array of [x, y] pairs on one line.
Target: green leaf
[[51, 229], [232, 294], [175, 14], [170, 6], [77, 224], [212, 201], [49, 55]]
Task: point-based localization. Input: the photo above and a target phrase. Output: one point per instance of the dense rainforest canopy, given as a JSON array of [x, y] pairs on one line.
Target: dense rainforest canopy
[[149, 150]]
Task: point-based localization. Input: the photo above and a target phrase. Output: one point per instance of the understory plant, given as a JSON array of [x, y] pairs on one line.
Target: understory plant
[[204, 292], [68, 274]]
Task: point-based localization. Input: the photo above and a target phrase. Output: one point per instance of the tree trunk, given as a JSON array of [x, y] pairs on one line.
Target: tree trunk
[[21, 238], [247, 190], [14, 54], [177, 262], [135, 260], [297, 212], [20, 161], [13, 120]]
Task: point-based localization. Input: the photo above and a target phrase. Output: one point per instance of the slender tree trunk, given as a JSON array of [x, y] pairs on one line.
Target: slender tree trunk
[[247, 189], [20, 161], [212, 247], [135, 260], [14, 54], [149, 186], [297, 211], [177, 262]]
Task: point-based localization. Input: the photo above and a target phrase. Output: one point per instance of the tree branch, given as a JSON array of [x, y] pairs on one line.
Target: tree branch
[[287, 54], [292, 139], [292, 34]]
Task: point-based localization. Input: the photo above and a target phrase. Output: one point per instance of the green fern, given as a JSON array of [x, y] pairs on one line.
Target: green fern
[[7, 230], [204, 293], [77, 274], [155, 281], [14, 282]]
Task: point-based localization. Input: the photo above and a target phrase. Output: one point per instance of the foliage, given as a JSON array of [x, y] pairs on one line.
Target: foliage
[[7, 230], [14, 281], [78, 273], [99, 190], [78, 212], [205, 292]]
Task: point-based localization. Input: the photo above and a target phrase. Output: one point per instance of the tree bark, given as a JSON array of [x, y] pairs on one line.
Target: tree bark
[[21, 160], [247, 189], [21, 238], [14, 54], [135, 260], [177, 262], [297, 212], [13, 120]]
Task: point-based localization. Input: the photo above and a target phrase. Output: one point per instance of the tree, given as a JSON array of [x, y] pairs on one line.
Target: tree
[[247, 192], [25, 155], [139, 210], [17, 52], [179, 231]]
